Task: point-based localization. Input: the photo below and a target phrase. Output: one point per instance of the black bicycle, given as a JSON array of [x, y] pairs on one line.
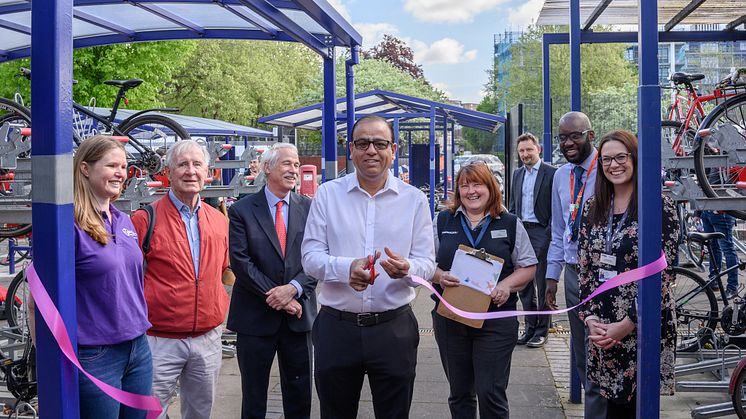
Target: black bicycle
[[697, 309]]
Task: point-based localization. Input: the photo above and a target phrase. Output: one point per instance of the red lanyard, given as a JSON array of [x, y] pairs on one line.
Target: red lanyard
[[574, 206]]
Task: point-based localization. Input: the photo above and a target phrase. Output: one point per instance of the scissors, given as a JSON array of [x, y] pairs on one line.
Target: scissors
[[371, 266]]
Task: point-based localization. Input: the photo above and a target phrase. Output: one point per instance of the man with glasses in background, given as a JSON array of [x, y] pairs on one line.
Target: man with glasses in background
[[366, 325], [574, 183]]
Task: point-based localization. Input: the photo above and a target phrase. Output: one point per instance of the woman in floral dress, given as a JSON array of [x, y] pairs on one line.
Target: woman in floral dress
[[605, 251]]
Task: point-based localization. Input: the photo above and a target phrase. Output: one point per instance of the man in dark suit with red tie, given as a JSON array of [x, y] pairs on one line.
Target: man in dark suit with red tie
[[274, 303], [531, 201]]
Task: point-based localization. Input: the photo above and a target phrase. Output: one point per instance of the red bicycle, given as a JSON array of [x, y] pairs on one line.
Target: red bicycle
[[728, 117]]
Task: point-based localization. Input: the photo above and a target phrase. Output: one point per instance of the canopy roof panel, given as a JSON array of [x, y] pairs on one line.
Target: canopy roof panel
[[195, 125], [625, 12], [315, 23], [388, 105]]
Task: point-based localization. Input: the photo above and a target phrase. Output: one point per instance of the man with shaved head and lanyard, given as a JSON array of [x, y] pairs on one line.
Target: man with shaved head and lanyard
[[573, 184]]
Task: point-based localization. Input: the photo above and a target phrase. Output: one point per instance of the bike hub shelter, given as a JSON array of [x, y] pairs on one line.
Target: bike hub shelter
[[650, 16], [403, 112], [53, 29]]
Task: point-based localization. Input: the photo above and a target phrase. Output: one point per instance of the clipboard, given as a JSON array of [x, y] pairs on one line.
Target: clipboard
[[473, 294]]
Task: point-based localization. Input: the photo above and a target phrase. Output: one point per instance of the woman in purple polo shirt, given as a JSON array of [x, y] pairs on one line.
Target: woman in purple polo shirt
[[112, 315]]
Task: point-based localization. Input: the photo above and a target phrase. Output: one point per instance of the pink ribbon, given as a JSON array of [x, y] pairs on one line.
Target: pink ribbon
[[54, 321], [623, 278]]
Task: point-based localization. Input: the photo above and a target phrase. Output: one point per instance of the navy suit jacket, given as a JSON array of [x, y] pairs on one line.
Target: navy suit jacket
[[258, 264], [542, 193]]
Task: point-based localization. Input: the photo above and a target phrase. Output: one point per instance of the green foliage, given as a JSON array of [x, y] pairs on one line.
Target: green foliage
[[478, 141], [154, 62], [603, 69], [373, 74], [240, 81], [613, 108]]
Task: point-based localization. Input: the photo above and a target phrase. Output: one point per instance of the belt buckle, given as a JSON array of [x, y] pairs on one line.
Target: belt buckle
[[367, 319]]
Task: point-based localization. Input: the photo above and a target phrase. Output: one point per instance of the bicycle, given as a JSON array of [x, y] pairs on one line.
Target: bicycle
[[697, 309], [727, 117], [144, 130]]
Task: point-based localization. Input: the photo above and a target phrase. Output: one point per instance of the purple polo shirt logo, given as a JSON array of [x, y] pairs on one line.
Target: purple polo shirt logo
[[129, 233]]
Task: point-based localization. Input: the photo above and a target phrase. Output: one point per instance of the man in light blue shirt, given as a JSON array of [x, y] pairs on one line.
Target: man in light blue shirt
[[574, 183], [531, 201]]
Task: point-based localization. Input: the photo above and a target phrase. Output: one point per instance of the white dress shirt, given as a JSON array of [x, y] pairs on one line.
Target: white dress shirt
[[346, 223]]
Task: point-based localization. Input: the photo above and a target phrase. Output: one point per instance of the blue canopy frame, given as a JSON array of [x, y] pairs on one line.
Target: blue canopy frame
[[397, 108], [649, 167], [62, 25]]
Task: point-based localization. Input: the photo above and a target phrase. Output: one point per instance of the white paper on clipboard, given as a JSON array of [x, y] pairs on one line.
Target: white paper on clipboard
[[476, 273]]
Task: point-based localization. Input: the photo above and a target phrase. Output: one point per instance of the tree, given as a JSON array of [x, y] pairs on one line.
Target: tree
[[373, 74], [240, 81], [603, 67], [398, 53], [154, 62], [479, 141]]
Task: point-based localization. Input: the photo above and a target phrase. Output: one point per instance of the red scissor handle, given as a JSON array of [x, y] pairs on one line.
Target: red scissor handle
[[372, 267]]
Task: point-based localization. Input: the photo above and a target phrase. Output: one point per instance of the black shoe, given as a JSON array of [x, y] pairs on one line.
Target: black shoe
[[524, 338], [536, 342]]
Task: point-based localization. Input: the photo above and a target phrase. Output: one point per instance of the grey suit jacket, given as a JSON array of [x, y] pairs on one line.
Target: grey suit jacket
[[542, 193]]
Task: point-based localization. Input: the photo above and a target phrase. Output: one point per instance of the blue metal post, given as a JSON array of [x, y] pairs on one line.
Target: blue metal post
[[52, 208], [575, 106], [649, 212], [575, 55], [228, 174], [409, 151], [329, 121], [453, 160], [445, 158], [546, 83], [432, 161], [350, 100], [396, 141]]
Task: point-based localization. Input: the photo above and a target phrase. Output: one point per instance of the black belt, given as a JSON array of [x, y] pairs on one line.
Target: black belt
[[367, 319], [531, 224]]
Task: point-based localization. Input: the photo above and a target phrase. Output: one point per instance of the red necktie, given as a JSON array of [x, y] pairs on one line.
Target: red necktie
[[280, 227]]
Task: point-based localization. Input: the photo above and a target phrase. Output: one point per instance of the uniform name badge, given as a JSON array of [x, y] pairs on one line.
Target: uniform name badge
[[608, 259], [605, 275]]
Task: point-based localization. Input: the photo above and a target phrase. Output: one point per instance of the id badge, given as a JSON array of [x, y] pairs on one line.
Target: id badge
[[607, 259], [605, 275], [499, 234]]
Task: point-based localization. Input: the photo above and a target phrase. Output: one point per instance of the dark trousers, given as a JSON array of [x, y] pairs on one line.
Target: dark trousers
[[345, 352], [477, 364], [622, 410], [532, 297], [255, 357]]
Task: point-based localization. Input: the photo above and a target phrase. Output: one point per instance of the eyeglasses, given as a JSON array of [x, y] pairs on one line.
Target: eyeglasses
[[575, 136], [620, 159], [363, 144]]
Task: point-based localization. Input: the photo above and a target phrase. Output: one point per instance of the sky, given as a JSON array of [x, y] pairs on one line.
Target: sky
[[451, 39]]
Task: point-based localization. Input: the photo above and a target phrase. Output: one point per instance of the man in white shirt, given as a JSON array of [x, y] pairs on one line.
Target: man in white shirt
[[366, 325]]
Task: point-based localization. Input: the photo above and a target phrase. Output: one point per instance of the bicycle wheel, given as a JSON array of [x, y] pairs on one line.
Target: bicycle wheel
[[721, 182], [153, 132], [670, 130], [738, 394], [16, 303], [696, 310]]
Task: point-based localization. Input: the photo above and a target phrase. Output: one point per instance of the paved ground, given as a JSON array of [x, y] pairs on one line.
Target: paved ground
[[538, 386], [538, 383]]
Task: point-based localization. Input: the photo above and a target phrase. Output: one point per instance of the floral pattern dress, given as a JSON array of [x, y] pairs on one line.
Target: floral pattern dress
[[615, 369]]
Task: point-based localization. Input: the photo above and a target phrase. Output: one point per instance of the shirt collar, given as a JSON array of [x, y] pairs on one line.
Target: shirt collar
[[392, 183], [586, 164], [534, 167], [182, 207], [462, 210], [272, 199]]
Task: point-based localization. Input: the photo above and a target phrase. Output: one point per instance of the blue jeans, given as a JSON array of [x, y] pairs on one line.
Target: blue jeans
[[125, 365], [722, 223]]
